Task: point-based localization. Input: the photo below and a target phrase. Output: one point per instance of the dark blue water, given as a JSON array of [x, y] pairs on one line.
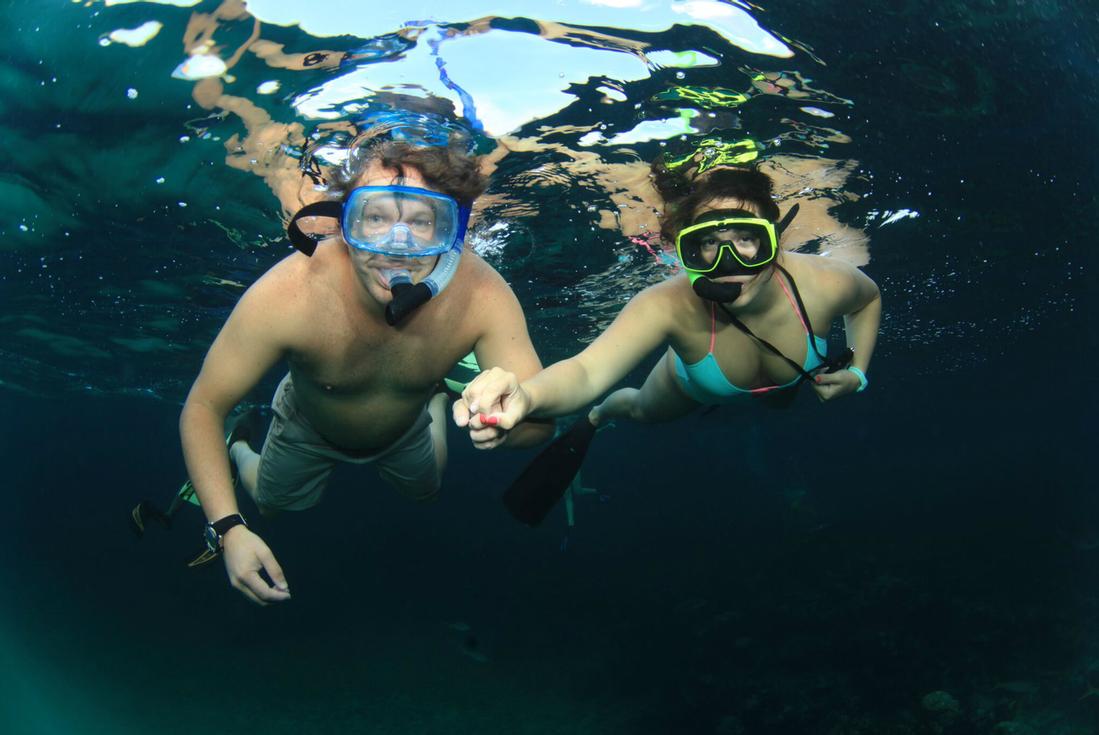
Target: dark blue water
[[829, 569]]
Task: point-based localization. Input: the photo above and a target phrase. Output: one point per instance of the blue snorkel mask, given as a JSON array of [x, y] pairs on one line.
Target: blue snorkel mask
[[398, 222]]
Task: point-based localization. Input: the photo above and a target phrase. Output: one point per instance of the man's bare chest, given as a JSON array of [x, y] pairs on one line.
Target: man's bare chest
[[355, 361]]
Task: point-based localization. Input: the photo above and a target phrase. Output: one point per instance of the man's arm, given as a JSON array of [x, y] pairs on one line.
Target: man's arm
[[505, 343], [250, 342]]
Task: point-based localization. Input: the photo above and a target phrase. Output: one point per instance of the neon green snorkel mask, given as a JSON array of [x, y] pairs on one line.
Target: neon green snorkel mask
[[728, 242]]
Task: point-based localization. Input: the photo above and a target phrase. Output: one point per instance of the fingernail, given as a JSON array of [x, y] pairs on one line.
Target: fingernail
[[816, 379], [490, 420]]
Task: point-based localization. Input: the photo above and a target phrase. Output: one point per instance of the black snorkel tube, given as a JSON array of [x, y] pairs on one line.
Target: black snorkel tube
[[724, 293], [407, 296]]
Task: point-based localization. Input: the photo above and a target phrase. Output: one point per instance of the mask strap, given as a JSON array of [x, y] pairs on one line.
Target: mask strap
[[306, 243]]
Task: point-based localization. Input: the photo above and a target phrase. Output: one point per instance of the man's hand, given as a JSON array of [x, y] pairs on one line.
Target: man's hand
[[490, 406], [245, 555], [836, 384]]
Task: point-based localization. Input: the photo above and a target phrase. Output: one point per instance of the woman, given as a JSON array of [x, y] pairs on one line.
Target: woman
[[744, 321]]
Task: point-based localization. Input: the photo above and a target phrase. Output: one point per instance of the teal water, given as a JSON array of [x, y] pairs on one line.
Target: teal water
[[938, 534]]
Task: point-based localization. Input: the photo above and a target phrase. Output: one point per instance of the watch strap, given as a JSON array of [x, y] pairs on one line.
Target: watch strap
[[215, 530], [224, 524]]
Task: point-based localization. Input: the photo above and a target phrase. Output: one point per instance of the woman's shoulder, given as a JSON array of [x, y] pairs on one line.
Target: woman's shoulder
[[823, 280], [671, 291], [819, 271]]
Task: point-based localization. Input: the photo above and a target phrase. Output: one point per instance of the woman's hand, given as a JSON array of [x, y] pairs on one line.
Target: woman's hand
[[490, 406], [835, 384]]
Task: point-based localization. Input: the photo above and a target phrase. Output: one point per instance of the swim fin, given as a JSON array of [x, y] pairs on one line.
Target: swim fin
[[144, 512], [534, 493], [245, 427]]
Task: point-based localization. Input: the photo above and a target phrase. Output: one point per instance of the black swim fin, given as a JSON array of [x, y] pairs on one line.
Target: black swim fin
[[144, 512], [534, 493], [246, 427]]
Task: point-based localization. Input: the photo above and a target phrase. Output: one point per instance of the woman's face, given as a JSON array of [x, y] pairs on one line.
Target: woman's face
[[745, 241]]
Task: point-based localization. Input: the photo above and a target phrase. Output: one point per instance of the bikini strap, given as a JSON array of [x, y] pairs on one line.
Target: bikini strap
[[797, 306], [713, 325], [830, 364], [764, 343], [800, 308]]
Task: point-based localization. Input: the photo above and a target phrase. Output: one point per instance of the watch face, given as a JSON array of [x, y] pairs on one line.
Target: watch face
[[213, 539]]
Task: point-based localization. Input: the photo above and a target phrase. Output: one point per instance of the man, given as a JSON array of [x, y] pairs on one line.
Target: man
[[365, 354]]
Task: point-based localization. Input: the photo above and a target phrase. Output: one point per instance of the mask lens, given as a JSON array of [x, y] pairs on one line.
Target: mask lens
[[748, 242], [398, 220]]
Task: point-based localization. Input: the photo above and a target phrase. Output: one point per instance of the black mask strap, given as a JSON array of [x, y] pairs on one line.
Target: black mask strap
[[306, 243]]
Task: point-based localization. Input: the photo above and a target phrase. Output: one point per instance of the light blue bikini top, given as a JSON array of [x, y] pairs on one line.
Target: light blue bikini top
[[704, 381]]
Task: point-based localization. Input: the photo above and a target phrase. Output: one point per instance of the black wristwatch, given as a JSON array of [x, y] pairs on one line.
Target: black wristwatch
[[216, 530]]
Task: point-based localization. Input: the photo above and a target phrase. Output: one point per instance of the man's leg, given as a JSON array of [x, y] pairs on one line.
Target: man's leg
[[247, 463], [439, 419], [414, 463], [292, 470]]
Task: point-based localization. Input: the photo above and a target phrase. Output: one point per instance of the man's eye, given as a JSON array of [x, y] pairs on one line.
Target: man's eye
[[421, 223]]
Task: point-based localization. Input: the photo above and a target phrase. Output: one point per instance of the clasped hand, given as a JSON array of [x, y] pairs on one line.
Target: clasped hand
[[490, 406]]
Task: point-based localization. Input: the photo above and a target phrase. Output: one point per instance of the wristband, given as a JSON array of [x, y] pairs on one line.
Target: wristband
[[863, 382]]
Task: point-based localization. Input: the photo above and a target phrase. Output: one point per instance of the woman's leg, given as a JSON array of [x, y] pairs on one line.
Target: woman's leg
[[659, 399]]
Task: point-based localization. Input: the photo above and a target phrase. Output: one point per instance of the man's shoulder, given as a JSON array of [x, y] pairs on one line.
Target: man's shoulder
[[478, 283], [291, 284], [476, 272], [298, 272]]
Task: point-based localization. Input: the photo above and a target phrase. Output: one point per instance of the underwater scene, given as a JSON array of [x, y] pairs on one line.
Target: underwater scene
[[919, 557]]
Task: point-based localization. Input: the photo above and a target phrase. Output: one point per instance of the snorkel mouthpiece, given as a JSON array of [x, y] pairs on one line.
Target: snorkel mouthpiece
[[720, 292], [409, 296]]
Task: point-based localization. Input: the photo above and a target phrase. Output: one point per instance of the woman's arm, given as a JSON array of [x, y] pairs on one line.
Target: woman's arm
[[857, 298], [571, 384]]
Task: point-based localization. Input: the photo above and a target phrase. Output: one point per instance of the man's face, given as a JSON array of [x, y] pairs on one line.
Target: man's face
[[374, 270]]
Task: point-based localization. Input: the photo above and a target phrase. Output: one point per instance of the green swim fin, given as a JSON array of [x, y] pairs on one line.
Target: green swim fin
[[534, 493]]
